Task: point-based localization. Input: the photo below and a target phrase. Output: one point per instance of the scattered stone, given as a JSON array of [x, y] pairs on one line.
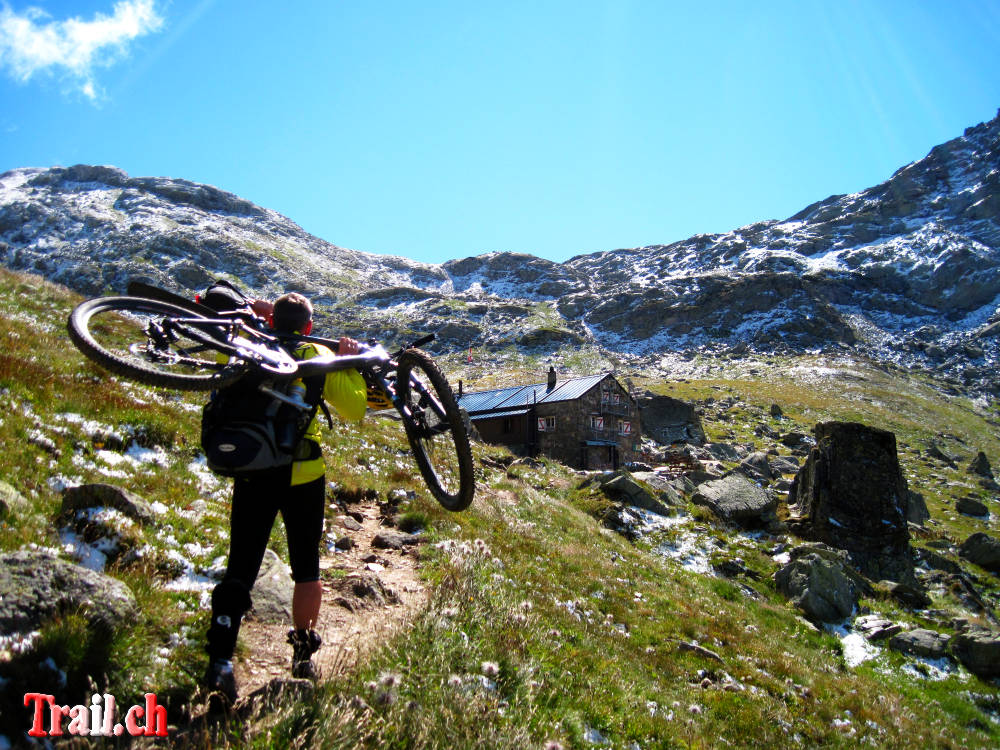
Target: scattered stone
[[272, 591], [876, 628], [723, 452], [349, 523], [776, 411], [970, 506], [107, 496], [735, 499], [37, 586], [979, 651], [756, 466], [395, 540], [983, 550], [344, 543], [981, 465], [936, 450], [362, 591], [782, 486], [818, 582], [906, 594], [794, 439], [694, 648], [625, 488], [735, 567], [936, 561], [10, 500], [920, 642], [851, 494], [784, 465], [664, 487]]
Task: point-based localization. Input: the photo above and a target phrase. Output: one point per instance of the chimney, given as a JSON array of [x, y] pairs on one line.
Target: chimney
[[552, 379]]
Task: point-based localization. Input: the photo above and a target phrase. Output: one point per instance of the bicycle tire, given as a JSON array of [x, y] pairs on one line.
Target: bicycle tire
[[84, 323], [441, 447], [149, 291]]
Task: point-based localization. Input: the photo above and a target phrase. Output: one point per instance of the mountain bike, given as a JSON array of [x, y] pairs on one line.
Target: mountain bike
[[174, 343]]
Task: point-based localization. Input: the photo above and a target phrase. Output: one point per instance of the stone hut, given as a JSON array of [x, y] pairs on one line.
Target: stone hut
[[586, 423]]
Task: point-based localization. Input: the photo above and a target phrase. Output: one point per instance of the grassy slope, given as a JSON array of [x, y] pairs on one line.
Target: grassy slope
[[543, 626]]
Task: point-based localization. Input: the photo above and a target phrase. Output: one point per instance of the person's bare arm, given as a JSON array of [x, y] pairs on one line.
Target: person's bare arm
[[262, 308]]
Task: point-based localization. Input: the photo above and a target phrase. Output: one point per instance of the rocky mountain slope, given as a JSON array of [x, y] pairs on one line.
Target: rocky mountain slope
[[907, 271]]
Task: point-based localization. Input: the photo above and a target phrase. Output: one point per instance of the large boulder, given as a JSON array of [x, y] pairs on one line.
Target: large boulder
[[626, 489], [107, 496], [272, 591], [851, 494], [756, 466], [724, 452], [921, 642], [819, 581], [736, 499], [970, 506], [669, 420], [37, 586], [981, 465], [983, 550], [979, 651], [916, 508]]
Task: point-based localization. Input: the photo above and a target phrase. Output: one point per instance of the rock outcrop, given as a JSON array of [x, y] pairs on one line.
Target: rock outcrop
[[669, 420], [921, 642], [107, 496], [851, 494], [819, 582], [735, 499], [849, 271], [272, 591], [983, 550], [37, 586], [978, 650]]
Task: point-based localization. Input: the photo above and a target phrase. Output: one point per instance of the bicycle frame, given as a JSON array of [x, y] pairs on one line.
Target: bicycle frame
[[374, 362]]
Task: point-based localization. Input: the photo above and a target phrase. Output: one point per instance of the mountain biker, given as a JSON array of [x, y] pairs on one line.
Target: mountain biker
[[299, 494]]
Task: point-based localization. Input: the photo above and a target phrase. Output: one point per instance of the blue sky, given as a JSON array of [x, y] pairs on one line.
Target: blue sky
[[440, 130]]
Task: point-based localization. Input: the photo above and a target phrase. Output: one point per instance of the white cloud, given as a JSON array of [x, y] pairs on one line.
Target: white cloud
[[33, 42]]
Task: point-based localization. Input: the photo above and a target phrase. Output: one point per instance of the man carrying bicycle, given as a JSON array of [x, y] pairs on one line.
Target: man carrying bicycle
[[298, 492]]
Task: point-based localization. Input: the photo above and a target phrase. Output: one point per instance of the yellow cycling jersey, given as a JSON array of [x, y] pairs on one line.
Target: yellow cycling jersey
[[345, 392]]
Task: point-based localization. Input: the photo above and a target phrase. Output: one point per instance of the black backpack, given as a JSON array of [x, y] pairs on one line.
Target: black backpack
[[222, 296], [247, 430]]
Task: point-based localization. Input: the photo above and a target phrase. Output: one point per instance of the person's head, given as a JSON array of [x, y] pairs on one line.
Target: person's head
[[293, 313]]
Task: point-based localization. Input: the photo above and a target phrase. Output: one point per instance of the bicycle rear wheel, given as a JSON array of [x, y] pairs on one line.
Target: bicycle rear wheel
[[125, 335], [435, 430]]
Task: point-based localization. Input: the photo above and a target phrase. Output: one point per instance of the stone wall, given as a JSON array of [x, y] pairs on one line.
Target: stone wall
[[569, 428]]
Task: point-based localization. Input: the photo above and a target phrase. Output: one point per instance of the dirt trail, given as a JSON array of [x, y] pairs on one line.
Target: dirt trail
[[349, 624]]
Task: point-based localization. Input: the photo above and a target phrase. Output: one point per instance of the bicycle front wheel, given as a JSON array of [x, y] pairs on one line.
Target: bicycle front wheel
[[435, 430], [125, 335]]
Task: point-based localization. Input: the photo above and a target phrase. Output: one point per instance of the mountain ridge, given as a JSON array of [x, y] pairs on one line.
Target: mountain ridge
[[907, 271]]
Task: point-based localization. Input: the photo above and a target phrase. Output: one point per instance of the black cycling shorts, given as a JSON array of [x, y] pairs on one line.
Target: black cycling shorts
[[256, 503]]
